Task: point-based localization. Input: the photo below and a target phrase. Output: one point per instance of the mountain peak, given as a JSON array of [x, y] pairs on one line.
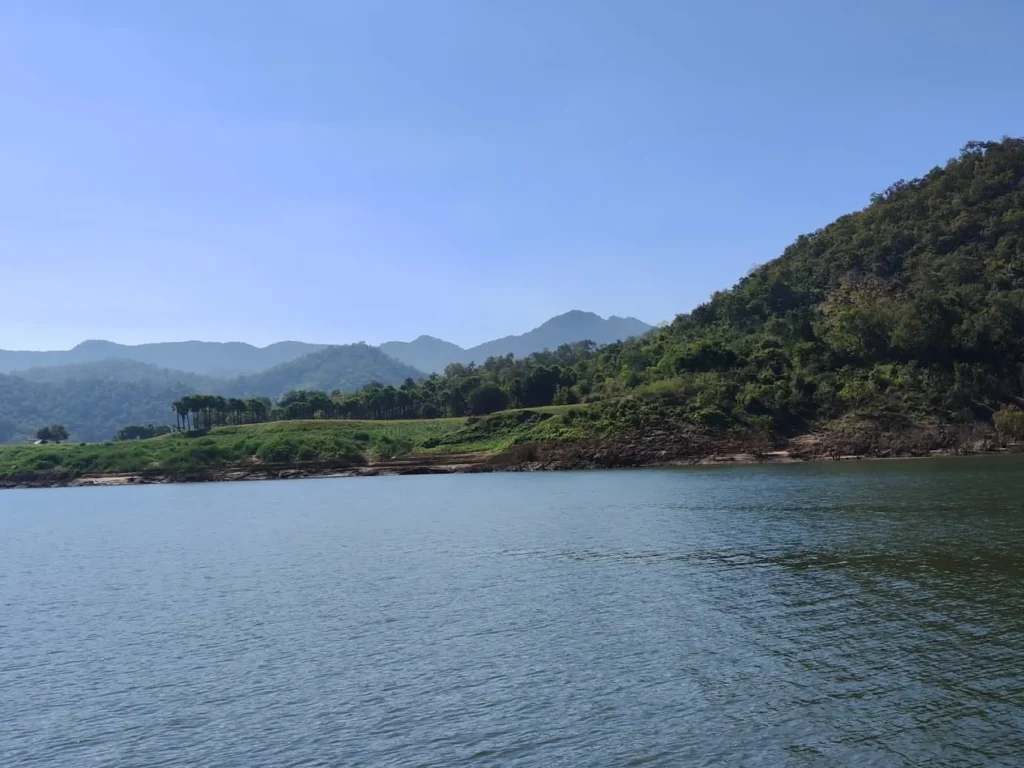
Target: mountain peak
[[573, 316]]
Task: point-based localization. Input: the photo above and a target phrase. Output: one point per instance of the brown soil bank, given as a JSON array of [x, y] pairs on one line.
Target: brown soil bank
[[675, 447], [652, 448], [404, 465]]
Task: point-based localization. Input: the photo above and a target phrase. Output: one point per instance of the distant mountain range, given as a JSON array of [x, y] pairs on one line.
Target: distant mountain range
[[98, 387], [432, 355], [234, 358], [208, 358]]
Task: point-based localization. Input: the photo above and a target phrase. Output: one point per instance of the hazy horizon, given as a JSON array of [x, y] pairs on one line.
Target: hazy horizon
[[343, 172], [313, 341]]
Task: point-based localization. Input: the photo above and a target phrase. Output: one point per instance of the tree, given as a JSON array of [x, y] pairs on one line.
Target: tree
[[257, 409], [53, 433], [487, 398], [238, 409], [539, 387], [181, 411], [141, 431]]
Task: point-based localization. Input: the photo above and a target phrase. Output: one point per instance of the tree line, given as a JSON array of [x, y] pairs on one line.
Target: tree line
[[500, 383], [200, 412]]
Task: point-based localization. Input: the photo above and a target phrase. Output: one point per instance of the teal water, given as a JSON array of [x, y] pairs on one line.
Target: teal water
[[854, 614]]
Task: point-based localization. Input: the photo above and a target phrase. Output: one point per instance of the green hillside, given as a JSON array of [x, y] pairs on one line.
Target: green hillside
[[346, 368], [91, 408], [912, 308]]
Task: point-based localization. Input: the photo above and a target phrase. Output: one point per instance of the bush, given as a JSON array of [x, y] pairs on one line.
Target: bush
[[712, 419], [1009, 423], [487, 398], [277, 451]]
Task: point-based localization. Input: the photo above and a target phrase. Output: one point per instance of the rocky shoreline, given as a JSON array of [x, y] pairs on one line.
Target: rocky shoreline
[[649, 449]]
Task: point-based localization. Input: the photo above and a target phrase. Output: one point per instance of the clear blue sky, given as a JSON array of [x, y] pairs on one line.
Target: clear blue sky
[[337, 171]]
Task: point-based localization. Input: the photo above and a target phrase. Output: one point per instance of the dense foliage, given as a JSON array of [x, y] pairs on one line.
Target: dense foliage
[[54, 433], [911, 308], [92, 409], [545, 378], [142, 432]]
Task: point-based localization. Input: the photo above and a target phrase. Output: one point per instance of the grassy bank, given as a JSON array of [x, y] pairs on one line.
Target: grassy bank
[[281, 443], [627, 432], [274, 443]]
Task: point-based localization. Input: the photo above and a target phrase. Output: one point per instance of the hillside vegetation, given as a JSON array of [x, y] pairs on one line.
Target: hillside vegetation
[[911, 309], [909, 312], [91, 408], [352, 443]]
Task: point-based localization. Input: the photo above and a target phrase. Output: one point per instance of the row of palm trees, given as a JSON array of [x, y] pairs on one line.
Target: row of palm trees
[[206, 411]]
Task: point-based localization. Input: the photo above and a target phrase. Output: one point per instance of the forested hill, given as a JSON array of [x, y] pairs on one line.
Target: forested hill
[[910, 308], [92, 408], [346, 368]]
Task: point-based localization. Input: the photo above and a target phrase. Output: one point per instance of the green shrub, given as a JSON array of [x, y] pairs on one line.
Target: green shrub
[[277, 451], [1010, 423], [712, 419]]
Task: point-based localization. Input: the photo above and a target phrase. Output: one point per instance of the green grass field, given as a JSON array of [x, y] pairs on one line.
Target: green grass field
[[282, 442], [413, 431], [274, 442]]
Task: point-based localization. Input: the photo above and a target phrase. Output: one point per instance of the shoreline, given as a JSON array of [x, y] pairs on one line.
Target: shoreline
[[535, 458]]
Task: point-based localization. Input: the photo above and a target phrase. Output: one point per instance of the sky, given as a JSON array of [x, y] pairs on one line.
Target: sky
[[333, 171]]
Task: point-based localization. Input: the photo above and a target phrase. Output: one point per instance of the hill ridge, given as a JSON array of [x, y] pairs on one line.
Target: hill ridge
[[225, 359]]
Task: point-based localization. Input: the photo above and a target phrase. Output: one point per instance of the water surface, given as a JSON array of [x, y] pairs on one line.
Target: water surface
[[859, 614]]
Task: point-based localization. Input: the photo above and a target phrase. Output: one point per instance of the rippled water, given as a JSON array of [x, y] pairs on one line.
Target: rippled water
[[852, 614]]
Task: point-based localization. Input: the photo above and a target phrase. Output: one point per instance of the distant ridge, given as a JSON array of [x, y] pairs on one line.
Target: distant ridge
[[427, 353], [432, 355], [207, 358], [347, 368], [236, 358]]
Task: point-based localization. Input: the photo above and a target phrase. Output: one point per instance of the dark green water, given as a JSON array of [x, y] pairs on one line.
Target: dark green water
[[859, 614]]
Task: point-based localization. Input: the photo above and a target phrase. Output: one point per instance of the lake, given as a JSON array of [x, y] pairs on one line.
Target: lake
[[851, 614]]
